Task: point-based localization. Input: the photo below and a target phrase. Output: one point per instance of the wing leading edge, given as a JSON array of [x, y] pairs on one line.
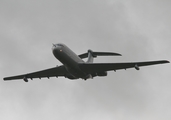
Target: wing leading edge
[[52, 72], [100, 67]]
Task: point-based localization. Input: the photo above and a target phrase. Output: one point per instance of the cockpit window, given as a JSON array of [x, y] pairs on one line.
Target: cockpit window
[[60, 45]]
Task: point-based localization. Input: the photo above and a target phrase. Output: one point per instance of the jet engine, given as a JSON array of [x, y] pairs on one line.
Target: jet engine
[[102, 73]]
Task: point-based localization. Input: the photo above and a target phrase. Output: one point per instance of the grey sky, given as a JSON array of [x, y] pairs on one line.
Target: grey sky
[[139, 30]]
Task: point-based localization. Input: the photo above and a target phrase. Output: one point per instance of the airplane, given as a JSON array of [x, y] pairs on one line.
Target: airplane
[[74, 67]]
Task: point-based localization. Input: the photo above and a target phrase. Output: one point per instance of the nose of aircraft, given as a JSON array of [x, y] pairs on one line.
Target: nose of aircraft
[[56, 50], [56, 47]]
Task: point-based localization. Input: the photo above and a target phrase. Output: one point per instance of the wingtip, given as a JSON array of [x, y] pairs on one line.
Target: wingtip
[[117, 54], [167, 61], [4, 79]]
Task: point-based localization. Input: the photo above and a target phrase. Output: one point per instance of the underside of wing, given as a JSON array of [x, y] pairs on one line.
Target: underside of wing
[[52, 72], [100, 67]]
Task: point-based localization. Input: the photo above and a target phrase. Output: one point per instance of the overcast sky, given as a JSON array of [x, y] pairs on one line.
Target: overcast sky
[[138, 29]]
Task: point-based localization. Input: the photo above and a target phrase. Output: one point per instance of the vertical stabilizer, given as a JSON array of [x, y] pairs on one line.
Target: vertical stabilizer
[[90, 56]]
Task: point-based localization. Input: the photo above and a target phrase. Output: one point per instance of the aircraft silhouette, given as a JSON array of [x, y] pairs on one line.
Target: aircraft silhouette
[[74, 67]]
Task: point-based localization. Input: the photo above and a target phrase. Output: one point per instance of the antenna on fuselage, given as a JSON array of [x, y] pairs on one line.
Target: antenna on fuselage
[[53, 45]]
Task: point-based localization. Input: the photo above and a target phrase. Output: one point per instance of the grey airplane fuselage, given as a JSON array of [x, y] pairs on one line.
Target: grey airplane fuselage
[[70, 60]]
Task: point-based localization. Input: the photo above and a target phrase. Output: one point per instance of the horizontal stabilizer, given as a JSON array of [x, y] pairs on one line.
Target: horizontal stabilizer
[[95, 54]]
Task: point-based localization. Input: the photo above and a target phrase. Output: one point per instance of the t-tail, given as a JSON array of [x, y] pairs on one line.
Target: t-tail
[[91, 55]]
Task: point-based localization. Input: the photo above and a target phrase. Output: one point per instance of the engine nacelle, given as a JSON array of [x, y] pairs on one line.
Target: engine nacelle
[[25, 79], [137, 67], [102, 73]]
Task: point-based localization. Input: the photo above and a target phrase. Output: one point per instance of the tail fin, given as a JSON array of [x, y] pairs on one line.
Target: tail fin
[[90, 54]]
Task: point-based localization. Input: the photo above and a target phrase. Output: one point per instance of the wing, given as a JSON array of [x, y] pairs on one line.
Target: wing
[[100, 67], [52, 72]]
